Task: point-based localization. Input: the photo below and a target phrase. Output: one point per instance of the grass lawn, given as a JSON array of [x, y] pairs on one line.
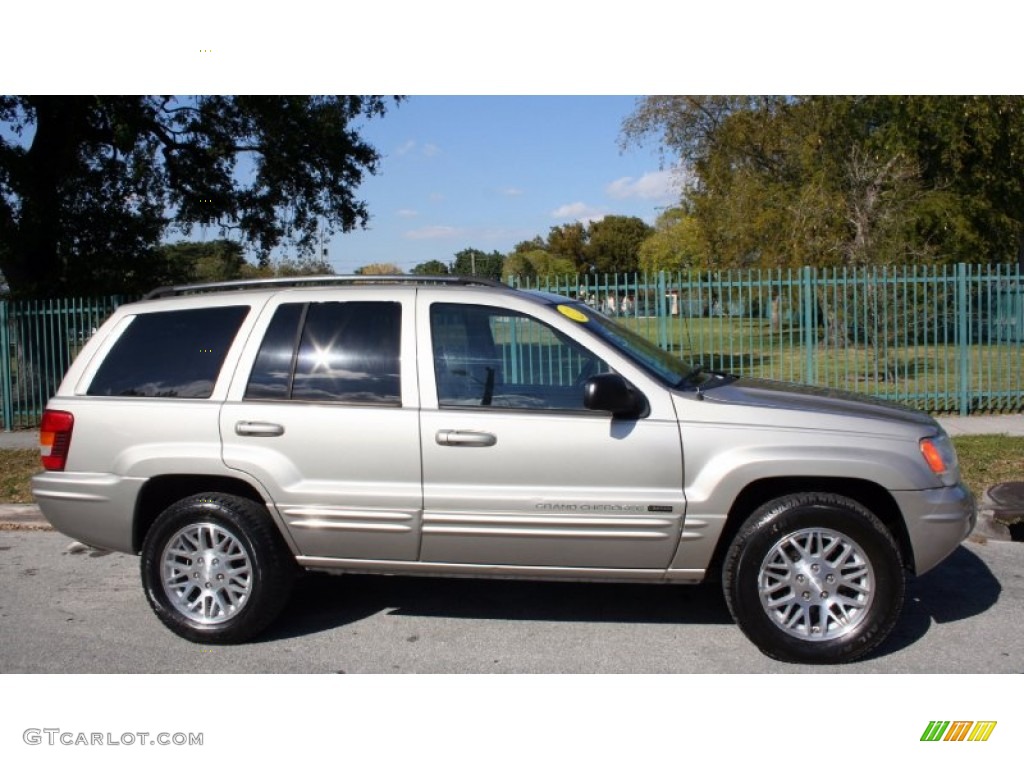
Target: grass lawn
[[984, 460], [16, 467]]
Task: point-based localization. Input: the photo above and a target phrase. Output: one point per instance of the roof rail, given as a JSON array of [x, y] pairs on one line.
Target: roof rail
[[320, 280]]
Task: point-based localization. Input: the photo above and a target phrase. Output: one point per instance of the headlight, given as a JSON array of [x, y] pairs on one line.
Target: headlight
[[940, 456]]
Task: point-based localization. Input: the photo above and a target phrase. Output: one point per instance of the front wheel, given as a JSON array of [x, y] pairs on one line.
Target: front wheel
[[215, 569], [814, 578]]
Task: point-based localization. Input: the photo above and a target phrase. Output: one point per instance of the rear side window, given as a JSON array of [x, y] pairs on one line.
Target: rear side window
[[346, 352], [169, 354], [271, 377]]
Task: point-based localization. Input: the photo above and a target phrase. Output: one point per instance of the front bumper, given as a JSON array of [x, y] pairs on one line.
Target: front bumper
[[94, 508], [937, 520]]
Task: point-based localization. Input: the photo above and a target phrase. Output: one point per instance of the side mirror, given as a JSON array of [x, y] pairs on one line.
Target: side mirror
[[610, 392]]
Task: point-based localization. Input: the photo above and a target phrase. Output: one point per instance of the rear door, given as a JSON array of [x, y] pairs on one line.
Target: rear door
[[324, 414], [515, 470]]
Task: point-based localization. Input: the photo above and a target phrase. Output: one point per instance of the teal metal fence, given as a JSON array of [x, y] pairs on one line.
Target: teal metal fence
[[944, 339], [38, 341]]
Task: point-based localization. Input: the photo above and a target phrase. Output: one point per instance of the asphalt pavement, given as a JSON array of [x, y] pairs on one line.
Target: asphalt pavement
[[68, 609]]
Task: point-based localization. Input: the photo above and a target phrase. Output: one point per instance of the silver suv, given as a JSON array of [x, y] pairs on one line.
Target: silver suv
[[236, 434]]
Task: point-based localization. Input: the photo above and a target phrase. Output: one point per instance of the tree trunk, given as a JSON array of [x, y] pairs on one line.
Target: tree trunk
[[32, 267]]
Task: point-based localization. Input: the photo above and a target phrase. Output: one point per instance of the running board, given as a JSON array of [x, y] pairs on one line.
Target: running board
[[471, 570]]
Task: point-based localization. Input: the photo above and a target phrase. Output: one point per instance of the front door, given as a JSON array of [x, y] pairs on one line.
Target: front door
[[515, 470]]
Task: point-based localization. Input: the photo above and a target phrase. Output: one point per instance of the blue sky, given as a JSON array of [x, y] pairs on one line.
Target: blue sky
[[489, 171]]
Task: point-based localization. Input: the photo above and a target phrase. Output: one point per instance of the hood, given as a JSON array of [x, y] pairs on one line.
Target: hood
[[763, 393]]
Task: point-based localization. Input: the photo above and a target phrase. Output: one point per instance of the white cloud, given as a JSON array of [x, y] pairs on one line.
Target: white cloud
[[512, 192], [656, 185], [427, 150], [435, 197], [436, 232], [578, 211], [407, 213]]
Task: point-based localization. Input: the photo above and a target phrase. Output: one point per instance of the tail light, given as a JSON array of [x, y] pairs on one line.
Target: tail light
[[55, 439]]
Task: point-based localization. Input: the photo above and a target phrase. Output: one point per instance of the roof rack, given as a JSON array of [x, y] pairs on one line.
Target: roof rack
[[321, 280]]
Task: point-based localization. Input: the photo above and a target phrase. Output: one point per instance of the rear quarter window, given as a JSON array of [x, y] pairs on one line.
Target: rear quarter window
[[178, 353]]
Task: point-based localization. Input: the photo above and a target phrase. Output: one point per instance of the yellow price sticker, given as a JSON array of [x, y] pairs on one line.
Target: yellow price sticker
[[572, 313]]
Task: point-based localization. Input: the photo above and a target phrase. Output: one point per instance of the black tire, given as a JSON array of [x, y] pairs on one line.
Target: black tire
[[230, 573], [793, 552]]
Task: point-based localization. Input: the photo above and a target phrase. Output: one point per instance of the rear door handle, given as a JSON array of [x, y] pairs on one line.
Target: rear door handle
[[259, 429], [465, 438]]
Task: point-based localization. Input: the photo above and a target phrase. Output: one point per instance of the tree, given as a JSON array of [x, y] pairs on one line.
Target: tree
[[432, 267], [536, 264], [379, 269], [846, 181], [472, 261], [569, 241], [677, 243], [688, 127], [613, 243], [969, 148], [287, 268], [205, 262], [518, 264], [89, 184], [526, 246]]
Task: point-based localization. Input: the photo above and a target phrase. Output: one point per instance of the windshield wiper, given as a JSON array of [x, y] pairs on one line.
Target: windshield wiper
[[691, 377]]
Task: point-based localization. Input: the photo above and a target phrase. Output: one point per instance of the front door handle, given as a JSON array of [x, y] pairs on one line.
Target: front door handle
[[466, 438], [258, 429]]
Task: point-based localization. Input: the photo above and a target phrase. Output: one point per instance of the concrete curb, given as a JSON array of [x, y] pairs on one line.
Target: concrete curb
[[957, 426], [23, 517], [21, 440], [988, 527]]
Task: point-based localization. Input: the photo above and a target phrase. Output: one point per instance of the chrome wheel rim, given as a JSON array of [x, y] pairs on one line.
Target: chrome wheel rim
[[206, 573], [816, 584]]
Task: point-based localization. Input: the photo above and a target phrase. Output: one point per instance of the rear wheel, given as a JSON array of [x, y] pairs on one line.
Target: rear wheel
[[814, 578], [215, 569]]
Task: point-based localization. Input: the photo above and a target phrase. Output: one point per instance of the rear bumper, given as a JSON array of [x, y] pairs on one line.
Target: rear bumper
[[94, 508], [937, 521]]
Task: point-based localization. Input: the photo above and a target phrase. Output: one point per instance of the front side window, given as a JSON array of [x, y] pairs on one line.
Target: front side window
[[331, 351], [169, 354], [495, 358]]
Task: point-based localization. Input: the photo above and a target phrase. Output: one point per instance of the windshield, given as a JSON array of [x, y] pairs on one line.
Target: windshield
[[664, 365]]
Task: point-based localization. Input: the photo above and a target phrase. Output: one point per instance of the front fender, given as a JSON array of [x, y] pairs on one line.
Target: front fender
[[717, 472]]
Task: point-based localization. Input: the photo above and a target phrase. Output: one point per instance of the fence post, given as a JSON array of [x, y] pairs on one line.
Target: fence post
[[5, 369], [662, 305], [963, 332], [810, 335]]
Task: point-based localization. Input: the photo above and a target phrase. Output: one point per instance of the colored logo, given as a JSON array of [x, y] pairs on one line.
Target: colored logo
[[959, 730]]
